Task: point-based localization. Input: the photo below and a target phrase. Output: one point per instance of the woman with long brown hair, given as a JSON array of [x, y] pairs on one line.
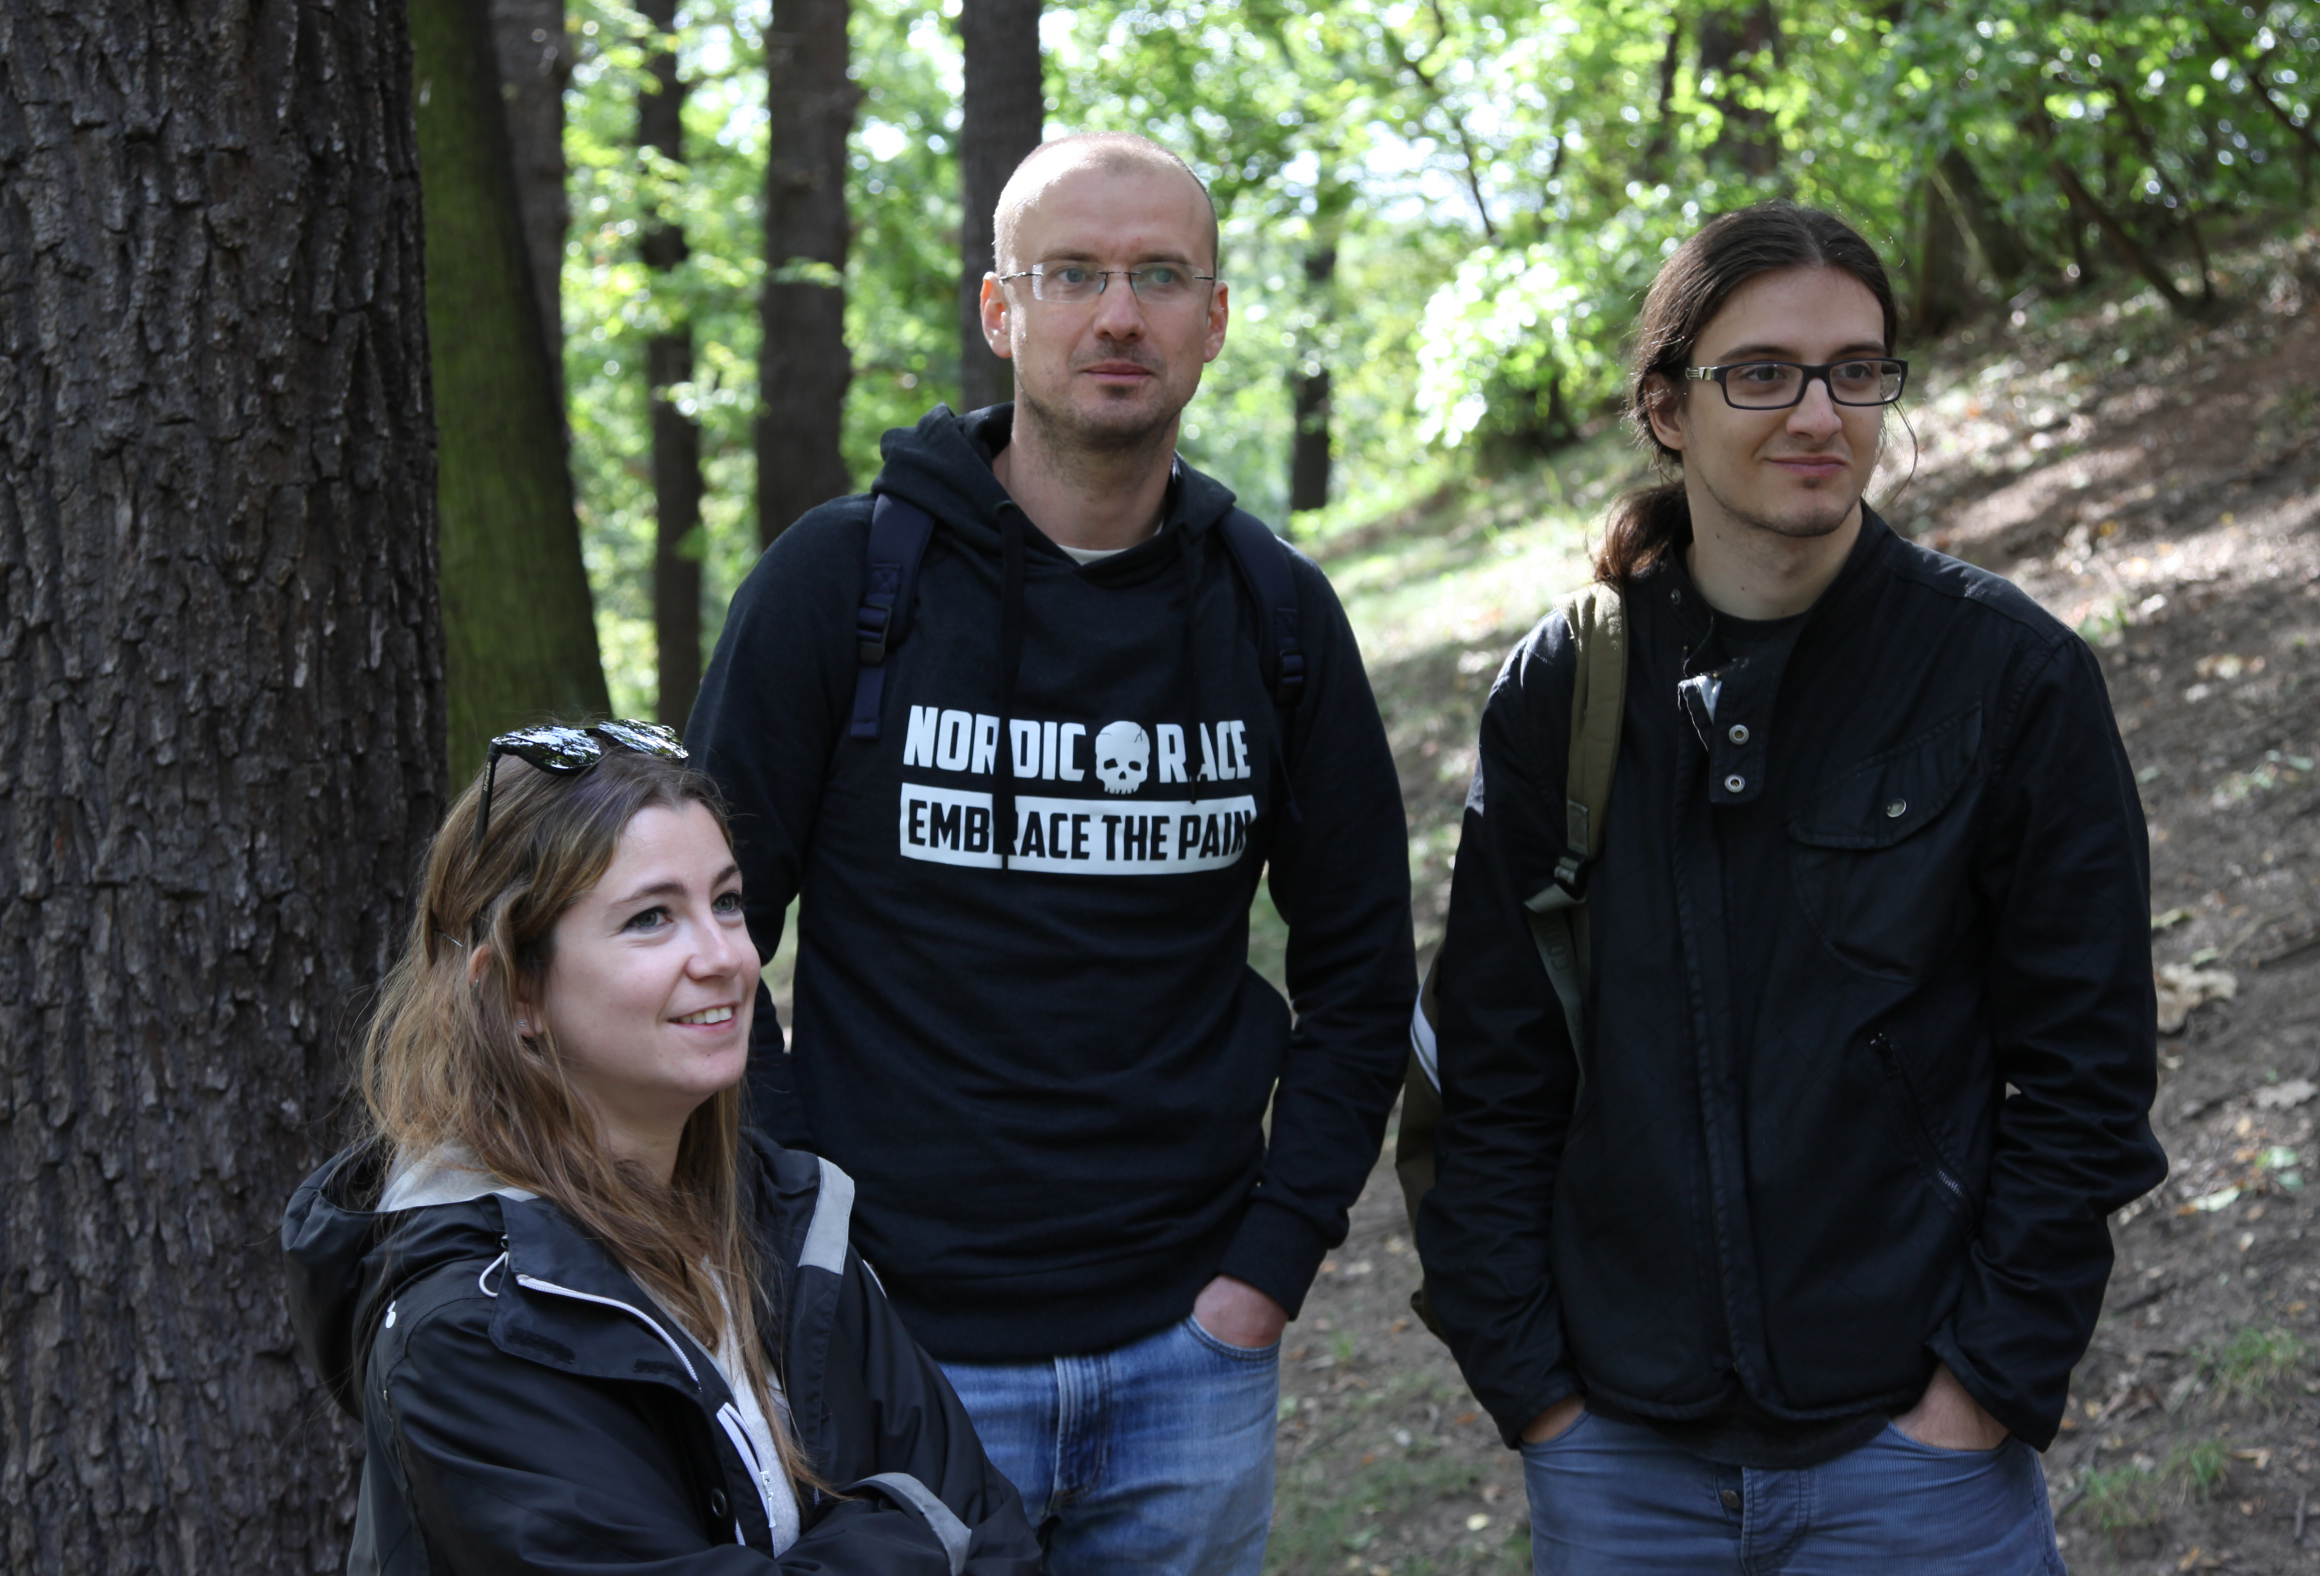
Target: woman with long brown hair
[[585, 1322]]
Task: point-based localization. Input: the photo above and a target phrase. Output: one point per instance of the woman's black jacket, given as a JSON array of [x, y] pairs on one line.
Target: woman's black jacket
[[526, 1407]]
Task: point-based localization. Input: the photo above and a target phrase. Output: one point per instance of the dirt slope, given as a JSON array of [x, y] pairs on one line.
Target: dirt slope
[[2159, 488]]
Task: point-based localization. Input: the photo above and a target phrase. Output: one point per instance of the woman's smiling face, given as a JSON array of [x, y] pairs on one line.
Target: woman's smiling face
[[651, 981]]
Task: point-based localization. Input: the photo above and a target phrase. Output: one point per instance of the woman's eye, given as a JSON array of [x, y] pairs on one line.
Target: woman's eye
[[728, 903], [1763, 372], [650, 919]]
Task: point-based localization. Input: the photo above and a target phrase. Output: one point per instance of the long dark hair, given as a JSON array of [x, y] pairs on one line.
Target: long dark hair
[[1691, 288]]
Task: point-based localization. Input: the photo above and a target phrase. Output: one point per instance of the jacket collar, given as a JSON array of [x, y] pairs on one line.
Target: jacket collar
[[1730, 700], [564, 1303]]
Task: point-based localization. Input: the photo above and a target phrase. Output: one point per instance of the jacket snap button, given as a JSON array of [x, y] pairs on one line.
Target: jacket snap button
[[717, 1503], [1738, 733], [1896, 808], [1735, 783], [1731, 1498]]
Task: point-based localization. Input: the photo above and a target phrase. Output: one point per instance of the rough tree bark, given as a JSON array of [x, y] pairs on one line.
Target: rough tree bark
[[1001, 119], [1732, 41], [803, 369], [518, 626], [535, 67], [221, 735], [676, 437]]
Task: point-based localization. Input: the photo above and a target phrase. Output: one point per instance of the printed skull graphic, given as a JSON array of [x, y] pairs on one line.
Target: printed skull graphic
[[1123, 757]]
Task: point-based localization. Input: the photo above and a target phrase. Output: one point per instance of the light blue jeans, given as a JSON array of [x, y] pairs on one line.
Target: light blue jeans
[[1616, 1499], [1151, 1459]]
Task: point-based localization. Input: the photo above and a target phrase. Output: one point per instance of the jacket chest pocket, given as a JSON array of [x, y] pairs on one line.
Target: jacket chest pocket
[[1879, 853]]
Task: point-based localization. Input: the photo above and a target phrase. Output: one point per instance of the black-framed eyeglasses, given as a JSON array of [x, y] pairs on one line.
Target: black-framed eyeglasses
[[566, 752], [1154, 284], [1776, 385]]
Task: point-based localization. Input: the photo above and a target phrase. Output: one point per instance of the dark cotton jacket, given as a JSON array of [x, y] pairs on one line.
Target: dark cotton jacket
[[1052, 1080], [1896, 1138], [526, 1407]]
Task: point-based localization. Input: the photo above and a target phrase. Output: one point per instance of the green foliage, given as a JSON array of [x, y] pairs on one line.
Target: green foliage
[[1498, 183]]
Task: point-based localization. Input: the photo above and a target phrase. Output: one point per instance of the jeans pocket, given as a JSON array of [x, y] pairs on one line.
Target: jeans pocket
[[1578, 1424], [1910, 1441], [1239, 1354]]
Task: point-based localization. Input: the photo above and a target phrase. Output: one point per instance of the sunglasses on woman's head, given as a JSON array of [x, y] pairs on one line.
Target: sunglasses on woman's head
[[566, 752]]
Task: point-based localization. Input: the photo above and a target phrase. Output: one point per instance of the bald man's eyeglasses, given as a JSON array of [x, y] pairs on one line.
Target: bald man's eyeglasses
[[1155, 284]]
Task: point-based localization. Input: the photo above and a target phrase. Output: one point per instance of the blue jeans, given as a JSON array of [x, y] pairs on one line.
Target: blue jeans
[[1610, 1497], [1152, 1459]]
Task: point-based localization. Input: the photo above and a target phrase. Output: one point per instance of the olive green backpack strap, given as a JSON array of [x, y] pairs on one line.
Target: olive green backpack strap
[[1597, 619]]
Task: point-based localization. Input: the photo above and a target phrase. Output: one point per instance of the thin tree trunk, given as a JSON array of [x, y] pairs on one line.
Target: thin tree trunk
[[1655, 153], [1309, 448], [1309, 444], [1732, 42], [535, 67], [676, 438], [2004, 258], [1942, 294], [519, 629], [803, 369], [1000, 121], [1470, 156], [2186, 197], [2130, 250], [2254, 71], [221, 734]]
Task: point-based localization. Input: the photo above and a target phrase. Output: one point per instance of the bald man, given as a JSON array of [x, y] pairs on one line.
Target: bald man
[[1025, 1022]]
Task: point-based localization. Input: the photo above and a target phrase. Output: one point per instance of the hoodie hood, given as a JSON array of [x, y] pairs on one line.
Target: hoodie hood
[[943, 465], [347, 1259]]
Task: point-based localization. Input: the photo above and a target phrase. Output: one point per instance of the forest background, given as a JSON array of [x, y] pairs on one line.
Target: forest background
[[377, 374], [1438, 215]]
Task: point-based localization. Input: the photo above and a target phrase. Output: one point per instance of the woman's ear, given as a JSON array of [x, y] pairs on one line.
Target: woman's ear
[[1663, 407], [527, 1012]]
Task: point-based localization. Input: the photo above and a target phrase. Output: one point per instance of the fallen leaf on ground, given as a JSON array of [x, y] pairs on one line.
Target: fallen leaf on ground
[[2280, 1096], [2183, 987]]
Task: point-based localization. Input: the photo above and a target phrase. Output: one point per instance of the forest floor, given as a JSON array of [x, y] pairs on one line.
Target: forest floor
[[2155, 484]]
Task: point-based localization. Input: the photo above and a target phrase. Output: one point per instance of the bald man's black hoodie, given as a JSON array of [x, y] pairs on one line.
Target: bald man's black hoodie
[[1051, 1078]]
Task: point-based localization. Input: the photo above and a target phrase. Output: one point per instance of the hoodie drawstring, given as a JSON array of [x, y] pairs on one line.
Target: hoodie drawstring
[[1012, 548]]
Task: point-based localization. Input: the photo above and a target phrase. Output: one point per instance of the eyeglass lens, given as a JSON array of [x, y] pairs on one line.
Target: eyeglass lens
[[1775, 385], [1157, 284]]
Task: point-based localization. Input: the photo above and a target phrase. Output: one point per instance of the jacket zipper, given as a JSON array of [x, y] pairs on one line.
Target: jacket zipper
[[1884, 1047]]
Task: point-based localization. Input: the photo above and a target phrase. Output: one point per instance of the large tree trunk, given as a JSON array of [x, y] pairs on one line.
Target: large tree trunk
[[519, 631], [1736, 42], [676, 438], [221, 735], [535, 67], [1001, 120], [804, 368]]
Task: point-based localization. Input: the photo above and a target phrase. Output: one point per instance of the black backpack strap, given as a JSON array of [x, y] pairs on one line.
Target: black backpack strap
[[899, 531], [1267, 570], [1269, 573]]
